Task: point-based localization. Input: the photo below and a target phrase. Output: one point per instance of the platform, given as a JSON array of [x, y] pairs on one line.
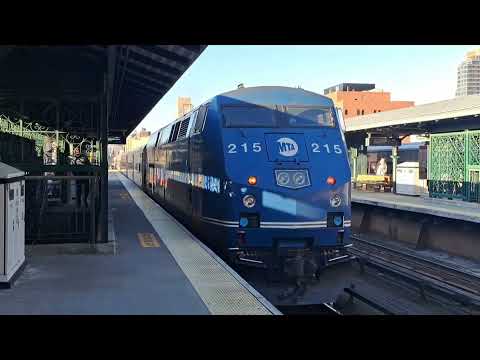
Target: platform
[[438, 207], [152, 265]]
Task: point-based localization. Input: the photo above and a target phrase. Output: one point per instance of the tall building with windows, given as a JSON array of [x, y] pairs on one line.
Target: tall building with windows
[[468, 75], [362, 99], [184, 105]]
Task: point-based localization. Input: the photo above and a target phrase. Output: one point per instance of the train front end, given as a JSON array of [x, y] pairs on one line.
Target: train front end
[[288, 177]]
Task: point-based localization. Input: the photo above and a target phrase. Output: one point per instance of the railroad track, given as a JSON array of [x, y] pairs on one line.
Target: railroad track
[[440, 275]]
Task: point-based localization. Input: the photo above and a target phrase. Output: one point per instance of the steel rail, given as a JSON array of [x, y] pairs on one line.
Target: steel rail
[[462, 272], [442, 273]]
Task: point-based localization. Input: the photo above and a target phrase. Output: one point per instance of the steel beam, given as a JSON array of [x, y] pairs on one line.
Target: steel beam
[[166, 60], [151, 79], [159, 74], [145, 81], [105, 114], [177, 52], [129, 79]]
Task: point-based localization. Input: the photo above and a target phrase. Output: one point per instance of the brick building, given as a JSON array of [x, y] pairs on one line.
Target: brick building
[[363, 99]]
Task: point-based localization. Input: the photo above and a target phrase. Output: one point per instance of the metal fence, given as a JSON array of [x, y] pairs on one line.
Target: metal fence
[[358, 163], [454, 165], [61, 209]]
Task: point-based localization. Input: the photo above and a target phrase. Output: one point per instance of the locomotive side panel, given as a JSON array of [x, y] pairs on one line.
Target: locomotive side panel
[[177, 188], [210, 205]]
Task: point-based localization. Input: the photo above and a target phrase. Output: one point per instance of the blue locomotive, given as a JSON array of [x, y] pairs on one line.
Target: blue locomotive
[[259, 174]]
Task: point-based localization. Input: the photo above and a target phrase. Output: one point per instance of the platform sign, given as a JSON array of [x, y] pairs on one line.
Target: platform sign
[[124, 195], [148, 240], [381, 141]]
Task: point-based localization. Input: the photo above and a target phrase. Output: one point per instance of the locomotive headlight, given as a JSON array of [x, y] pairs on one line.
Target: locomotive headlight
[[336, 200], [299, 178], [283, 178], [249, 201], [293, 179]]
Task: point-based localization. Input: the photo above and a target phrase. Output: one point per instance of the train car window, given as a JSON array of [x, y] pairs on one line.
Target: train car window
[[182, 132], [152, 140], [307, 116], [160, 132], [200, 119], [165, 135], [249, 116], [191, 123]]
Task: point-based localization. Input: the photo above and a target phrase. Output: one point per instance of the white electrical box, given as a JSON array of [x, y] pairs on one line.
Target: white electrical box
[[12, 222], [408, 180]]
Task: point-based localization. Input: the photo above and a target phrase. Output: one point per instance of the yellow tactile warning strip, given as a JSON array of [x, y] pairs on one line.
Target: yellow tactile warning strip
[[148, 240], [222, 290]]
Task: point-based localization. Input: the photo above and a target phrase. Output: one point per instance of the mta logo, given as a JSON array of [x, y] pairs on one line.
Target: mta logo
[[287, 147]]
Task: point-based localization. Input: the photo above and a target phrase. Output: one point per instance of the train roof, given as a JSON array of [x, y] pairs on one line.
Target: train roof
[[412, 146], [263, 95]]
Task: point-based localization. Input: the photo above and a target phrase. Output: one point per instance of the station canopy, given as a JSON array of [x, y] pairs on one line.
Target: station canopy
[[68, 87], [456, 114]]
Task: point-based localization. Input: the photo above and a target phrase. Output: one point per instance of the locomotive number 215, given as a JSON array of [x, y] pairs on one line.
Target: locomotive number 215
[[255, 147]]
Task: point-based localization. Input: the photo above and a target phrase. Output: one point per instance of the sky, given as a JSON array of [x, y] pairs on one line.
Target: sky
[[419, 73]]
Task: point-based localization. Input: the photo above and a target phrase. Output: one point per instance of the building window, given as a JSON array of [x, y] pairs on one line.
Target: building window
[[378, 111], [363, 112], [374, 111], [346, 112], [358, 112]]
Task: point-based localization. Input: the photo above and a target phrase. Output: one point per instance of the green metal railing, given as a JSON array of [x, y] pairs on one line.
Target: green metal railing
[[454, 165], [43, 136], [358, 163]]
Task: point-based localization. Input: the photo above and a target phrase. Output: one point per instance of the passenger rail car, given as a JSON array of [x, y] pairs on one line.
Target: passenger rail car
[[259, 174]]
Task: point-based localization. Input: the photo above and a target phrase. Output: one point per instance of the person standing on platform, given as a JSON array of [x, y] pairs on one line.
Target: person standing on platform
[[82, 185]]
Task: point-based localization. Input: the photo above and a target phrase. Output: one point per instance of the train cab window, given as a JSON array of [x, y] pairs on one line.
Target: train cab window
[[200, 119], [174, 133], [249, 116], [307, 116]]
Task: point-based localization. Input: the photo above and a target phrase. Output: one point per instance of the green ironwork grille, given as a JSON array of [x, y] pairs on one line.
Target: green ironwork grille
[[447, 165], [454, 162], [474, 148]]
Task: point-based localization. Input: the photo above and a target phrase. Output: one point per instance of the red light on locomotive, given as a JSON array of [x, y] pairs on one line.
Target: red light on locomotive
[[331, 180]]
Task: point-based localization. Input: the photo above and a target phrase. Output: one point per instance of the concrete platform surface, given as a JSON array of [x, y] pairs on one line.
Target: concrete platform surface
[[438, 207], [145, 270]]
